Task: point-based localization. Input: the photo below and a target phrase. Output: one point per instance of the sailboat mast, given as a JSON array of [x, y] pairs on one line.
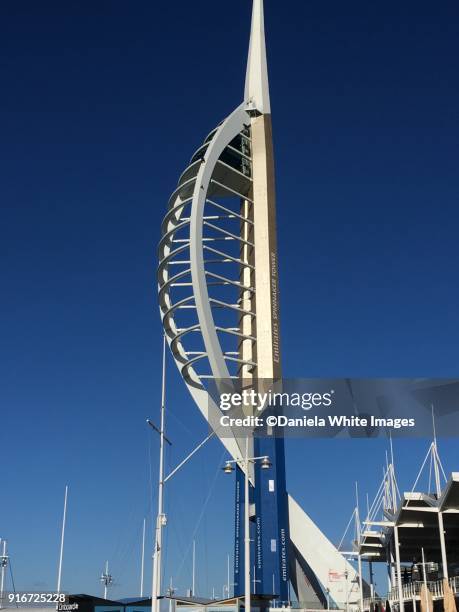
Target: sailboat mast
[[4, 561], [142, 565], [61, 553], [193, 592], [156, 588]]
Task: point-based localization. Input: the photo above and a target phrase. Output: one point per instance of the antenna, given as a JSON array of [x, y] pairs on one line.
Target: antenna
[[170, 593], [3, 565], [435, 456], [433, 425], [106, 579], [391, 450]]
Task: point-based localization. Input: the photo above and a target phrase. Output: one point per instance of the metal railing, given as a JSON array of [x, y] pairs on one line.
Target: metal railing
[[412, 590], [302, 605]]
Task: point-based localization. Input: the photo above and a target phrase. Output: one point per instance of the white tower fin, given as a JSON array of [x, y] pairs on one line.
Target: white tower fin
[[256, 82]]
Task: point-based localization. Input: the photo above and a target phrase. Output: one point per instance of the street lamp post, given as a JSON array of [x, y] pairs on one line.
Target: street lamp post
[[228, 468]]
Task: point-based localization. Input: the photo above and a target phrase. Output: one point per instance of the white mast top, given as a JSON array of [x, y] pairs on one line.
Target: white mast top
[[256, 82]]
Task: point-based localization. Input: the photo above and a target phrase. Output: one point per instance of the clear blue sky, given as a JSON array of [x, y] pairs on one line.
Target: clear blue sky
[[102, 104]]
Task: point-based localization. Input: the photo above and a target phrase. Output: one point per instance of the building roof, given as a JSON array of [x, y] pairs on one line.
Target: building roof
[[449, 499], [416, 519], [95, 599], [188, 600]]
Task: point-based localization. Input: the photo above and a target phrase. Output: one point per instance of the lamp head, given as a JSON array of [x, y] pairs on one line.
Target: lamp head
[[265, 463]]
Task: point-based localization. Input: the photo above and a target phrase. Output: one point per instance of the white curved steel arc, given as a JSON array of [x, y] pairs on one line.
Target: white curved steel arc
[[172, 231], [171, 213], [186, 213], [180, 189], [227, 131]]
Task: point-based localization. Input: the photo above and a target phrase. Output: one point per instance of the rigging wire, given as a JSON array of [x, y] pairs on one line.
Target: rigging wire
[[129, 537], [179, 421], [123, 540], [198, 522], [347, 529], [12, 580], [128, 551]]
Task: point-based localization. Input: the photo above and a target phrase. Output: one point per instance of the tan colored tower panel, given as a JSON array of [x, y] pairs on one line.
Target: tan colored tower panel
[[247, 279], [266, 272]]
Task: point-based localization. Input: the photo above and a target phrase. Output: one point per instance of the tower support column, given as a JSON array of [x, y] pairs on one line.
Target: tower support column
[[271, 502]]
